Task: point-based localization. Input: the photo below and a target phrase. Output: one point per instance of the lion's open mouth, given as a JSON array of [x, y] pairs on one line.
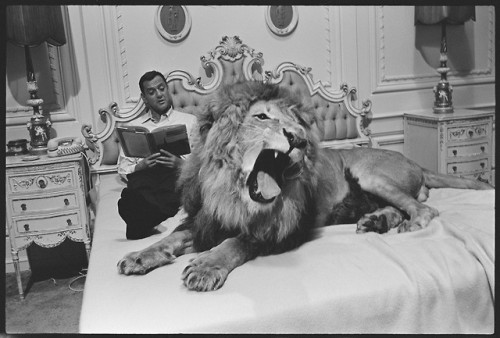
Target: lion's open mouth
[[266, 179]]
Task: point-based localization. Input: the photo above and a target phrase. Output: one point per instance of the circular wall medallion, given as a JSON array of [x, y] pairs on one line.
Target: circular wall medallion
[[282, 20], [173, 22]]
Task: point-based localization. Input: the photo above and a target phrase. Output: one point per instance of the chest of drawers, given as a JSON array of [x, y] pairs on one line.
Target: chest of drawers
[[46, 202], [459, 143]]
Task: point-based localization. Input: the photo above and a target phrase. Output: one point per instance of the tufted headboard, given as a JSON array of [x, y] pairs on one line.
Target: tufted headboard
[[339, 123]]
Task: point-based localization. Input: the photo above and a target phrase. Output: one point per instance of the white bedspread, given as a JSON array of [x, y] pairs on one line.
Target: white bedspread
[[437, 280]]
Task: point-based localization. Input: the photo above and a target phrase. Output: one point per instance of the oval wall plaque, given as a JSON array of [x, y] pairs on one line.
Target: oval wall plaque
[[173, 22]]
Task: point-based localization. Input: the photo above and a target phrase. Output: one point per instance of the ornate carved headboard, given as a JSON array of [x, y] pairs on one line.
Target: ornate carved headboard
[[340, 123]]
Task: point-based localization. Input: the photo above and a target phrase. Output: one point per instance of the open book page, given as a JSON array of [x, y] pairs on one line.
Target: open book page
[[134, 141], [173, 139], [137, 141]]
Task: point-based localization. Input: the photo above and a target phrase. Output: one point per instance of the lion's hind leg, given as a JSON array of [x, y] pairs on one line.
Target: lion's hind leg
[[160, 253], [420, 214], [381, 220]]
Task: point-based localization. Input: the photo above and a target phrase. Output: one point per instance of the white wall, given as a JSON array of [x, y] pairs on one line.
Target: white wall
[[377, 49]]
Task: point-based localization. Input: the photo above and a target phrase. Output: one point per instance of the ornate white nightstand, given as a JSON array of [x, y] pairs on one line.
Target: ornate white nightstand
[[459, 143], [46, 202]]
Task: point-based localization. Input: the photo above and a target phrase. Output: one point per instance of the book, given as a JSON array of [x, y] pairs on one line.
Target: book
[[137, 141]]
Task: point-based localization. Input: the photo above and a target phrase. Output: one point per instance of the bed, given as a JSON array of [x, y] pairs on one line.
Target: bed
[[437, 280]]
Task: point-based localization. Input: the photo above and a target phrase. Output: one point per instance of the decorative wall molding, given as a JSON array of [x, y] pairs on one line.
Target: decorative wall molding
[[328, 33], [123, 56], [391, 83]]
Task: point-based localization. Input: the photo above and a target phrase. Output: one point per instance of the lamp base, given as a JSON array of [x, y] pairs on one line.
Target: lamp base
[[442, 110], [442, 96], [38, 151], [39, 129]]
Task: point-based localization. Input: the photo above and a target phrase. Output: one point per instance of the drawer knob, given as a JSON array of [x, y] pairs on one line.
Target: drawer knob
[[66, 202], [482, 164], [42, 182], [482, 149], [69, 222], [471, 133], [23, 207], [454, 153], [27, 227], [454, 168]]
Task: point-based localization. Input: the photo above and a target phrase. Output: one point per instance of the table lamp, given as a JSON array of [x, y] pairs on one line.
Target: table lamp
[[443, 15], [30, 26]]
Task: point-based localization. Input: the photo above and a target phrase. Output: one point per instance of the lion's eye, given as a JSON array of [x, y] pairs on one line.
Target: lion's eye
[[262, 116]]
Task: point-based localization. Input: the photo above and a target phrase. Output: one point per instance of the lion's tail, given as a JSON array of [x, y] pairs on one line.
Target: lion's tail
[[436, 180]]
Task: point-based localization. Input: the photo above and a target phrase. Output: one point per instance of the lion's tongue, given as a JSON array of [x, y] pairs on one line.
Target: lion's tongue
[[267, 185]]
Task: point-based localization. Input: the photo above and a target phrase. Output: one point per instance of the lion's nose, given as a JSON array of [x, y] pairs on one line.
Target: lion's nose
[[294, 140]]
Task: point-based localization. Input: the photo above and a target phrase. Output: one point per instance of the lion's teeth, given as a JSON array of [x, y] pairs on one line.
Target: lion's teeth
[[275, 154]]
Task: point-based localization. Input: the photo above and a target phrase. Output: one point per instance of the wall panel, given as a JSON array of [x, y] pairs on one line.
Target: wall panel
[[375, 48]]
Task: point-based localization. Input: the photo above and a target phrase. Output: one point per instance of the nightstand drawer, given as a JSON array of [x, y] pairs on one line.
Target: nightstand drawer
[[468, 132], [467, 167], [41, 181], [23, 205], [46, 203], [468, 150], [47, 223]]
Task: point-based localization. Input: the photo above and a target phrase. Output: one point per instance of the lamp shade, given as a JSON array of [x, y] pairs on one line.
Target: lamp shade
[[33, 25], [450, 15]]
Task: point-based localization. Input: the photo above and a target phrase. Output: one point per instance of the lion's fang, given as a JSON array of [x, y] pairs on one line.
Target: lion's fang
[[275, 154]]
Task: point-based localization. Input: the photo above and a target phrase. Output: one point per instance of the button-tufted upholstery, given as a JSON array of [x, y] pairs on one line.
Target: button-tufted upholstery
[[337, 122], [333, 121], [183, 100]]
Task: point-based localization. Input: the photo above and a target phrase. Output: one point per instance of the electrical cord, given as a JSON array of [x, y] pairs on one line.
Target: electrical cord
[[83, 274]]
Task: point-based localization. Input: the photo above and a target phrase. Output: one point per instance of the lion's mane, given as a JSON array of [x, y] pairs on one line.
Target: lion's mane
[[211, 179]]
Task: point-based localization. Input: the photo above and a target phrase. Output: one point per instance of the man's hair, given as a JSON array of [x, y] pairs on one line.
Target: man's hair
[[148, 76]]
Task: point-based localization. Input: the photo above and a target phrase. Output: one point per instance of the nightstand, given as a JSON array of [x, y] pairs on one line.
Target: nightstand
[[46, 202], [459, 143]]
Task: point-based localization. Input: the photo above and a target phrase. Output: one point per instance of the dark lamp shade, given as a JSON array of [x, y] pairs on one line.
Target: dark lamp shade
[[451, 15], [33, 25]]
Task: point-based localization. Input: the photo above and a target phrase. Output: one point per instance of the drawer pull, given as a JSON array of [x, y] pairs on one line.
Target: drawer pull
[[27, 227], [482, 164], [69, 222], [454, 153], [471, 133], [454, 168], [23, 207], [42, 182], [482, 149], [66, 202]]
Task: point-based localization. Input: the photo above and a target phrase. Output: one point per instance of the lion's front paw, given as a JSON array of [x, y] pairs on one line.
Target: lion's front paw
[[203, 275], [141, 262]]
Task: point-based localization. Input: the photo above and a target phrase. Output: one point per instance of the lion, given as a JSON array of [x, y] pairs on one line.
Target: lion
[[257, 183]]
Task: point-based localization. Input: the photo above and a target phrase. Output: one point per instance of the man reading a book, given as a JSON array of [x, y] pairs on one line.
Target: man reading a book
[[150, 196]]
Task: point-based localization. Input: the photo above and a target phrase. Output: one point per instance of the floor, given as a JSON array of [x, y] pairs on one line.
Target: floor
[[50, 305]]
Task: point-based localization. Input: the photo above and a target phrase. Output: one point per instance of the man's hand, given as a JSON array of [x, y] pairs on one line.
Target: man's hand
[[147, 162], [169, 160]]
